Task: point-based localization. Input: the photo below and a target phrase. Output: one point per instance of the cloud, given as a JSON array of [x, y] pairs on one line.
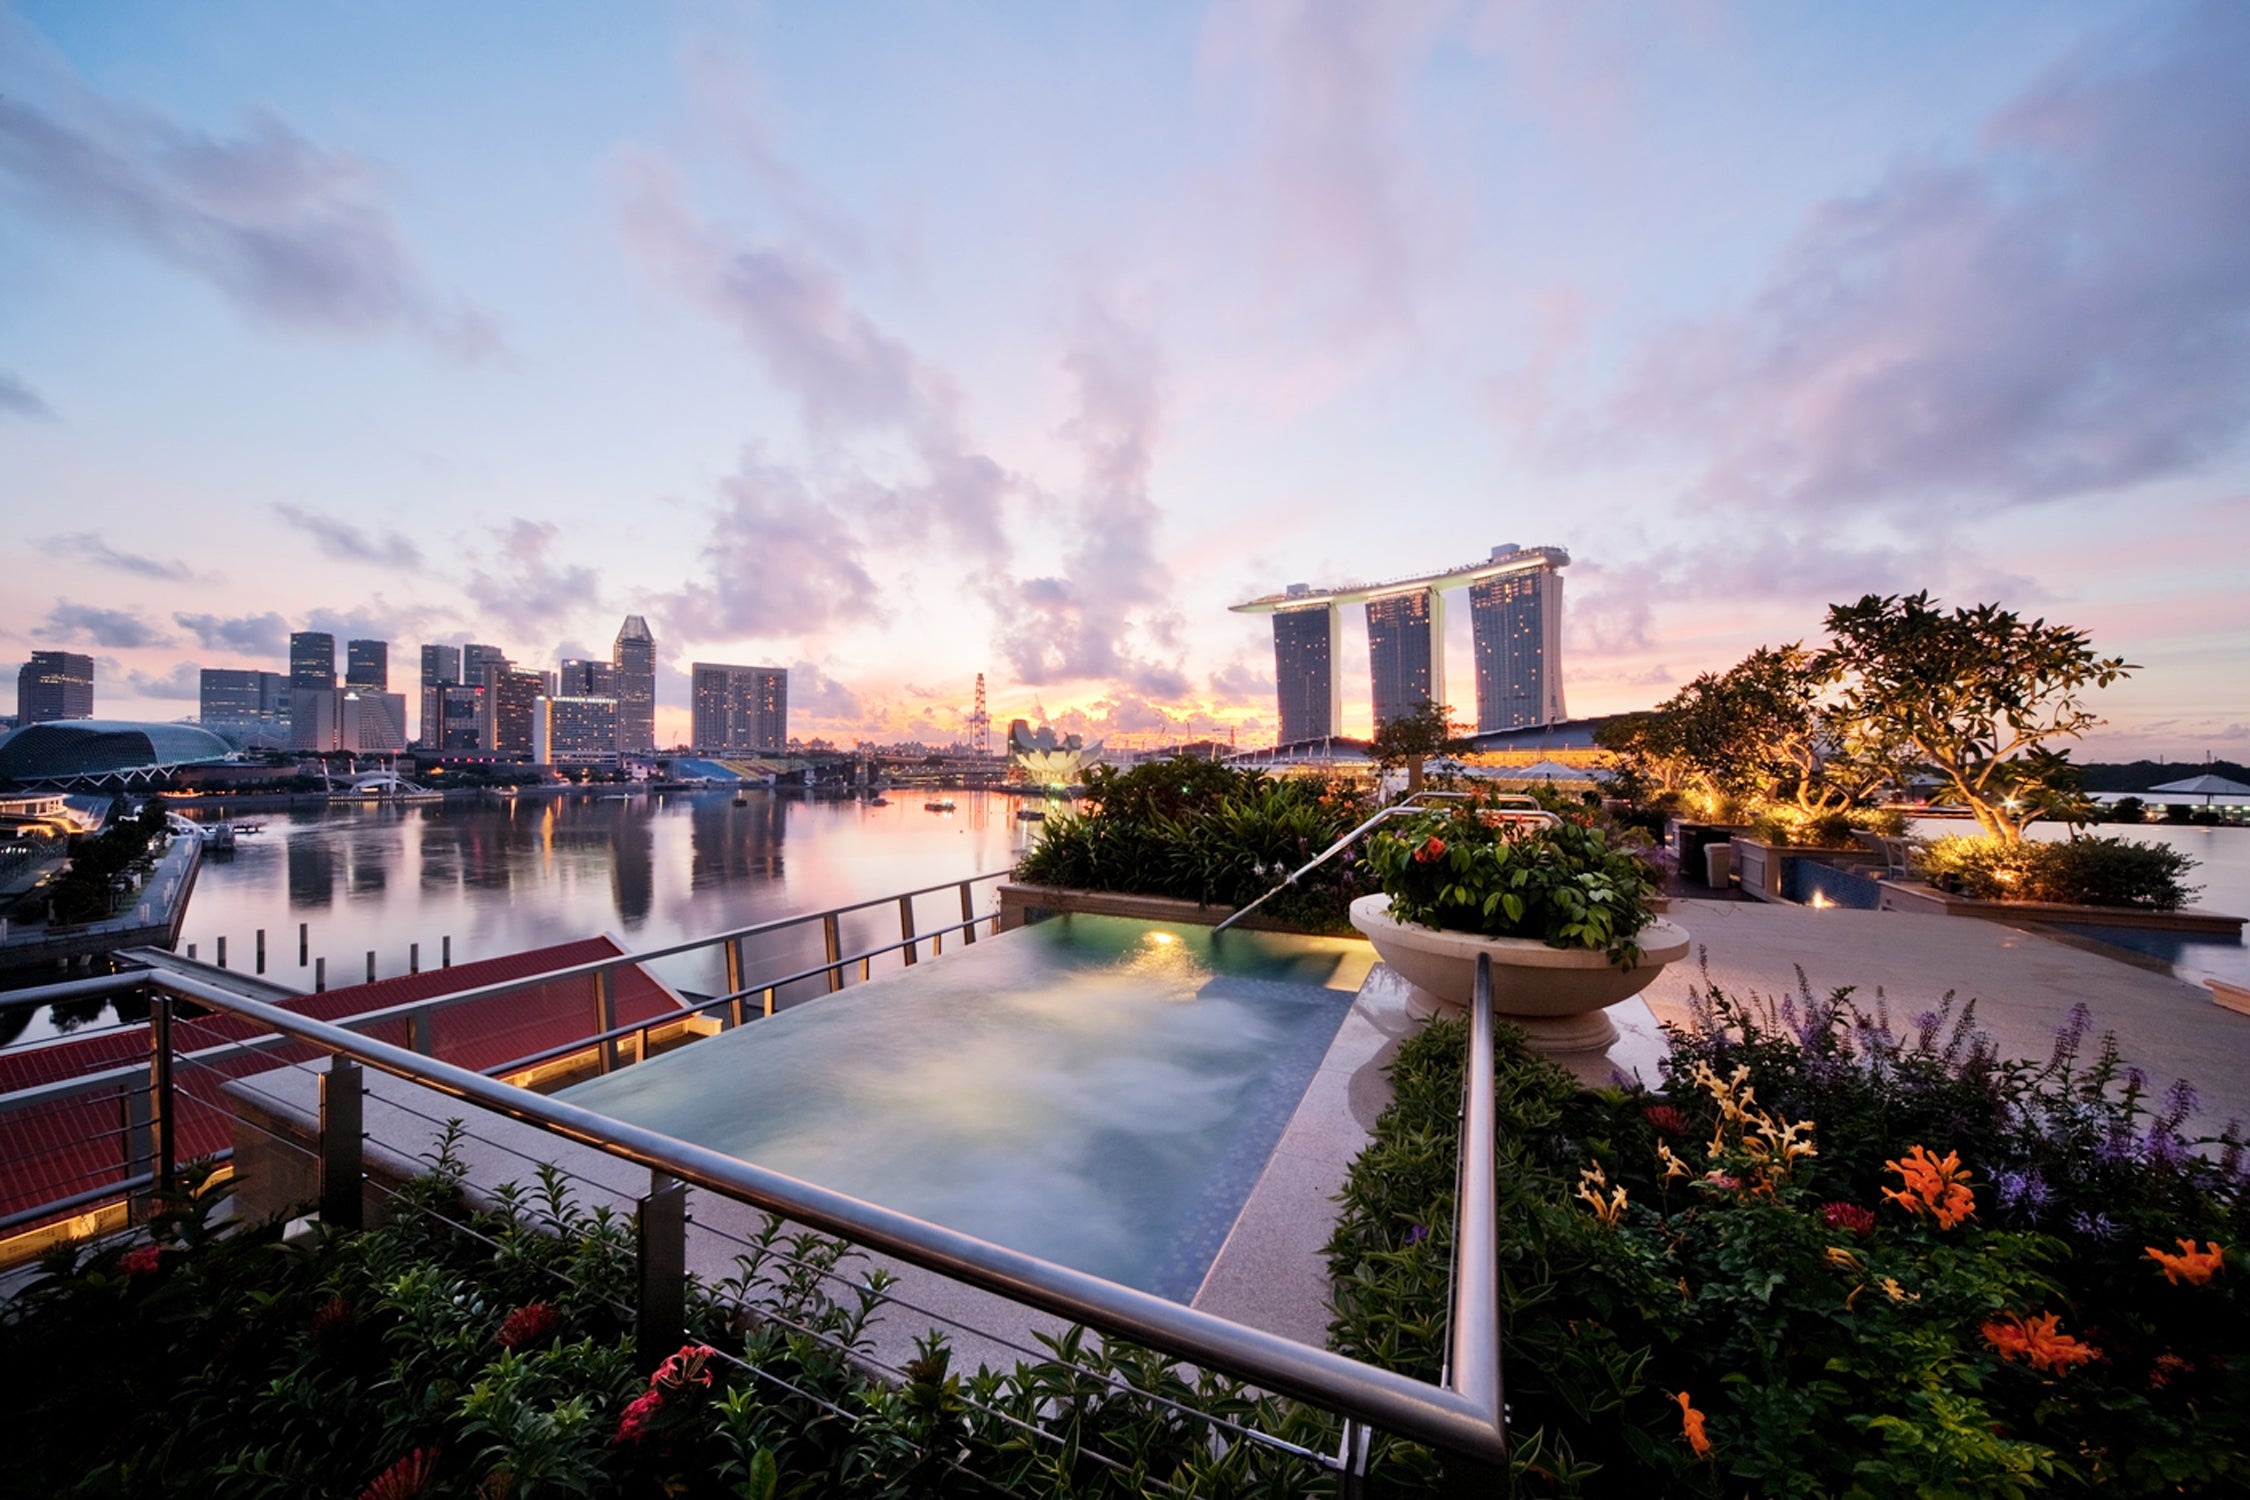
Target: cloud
[[778, 561], [290, 233], [820, 697], [91, 547], [118, 628], [846, 373], [185, 680], [265, 635], [1238, 684], [2064, 312], [341, 539], [20, 400], [529, 589], [1096, 619]]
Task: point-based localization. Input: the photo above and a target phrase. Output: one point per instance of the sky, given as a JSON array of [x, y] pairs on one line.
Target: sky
[[898, 343]]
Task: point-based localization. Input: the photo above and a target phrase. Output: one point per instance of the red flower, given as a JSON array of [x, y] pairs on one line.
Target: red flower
[[532, 1323], [141, 1261], [688, 1367], [639, 1412], [405, 1479], [1848, 1216], [331, 1318], [1432, 848], [1665, 1120]]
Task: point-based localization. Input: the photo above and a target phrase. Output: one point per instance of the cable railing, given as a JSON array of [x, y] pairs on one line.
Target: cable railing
[[1461, 1417]]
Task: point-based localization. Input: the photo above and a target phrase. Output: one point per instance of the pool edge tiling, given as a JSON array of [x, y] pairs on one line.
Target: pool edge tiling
[[1102, 1092]]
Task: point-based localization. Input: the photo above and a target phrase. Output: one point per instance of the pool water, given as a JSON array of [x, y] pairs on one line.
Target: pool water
[[1096, 1091]]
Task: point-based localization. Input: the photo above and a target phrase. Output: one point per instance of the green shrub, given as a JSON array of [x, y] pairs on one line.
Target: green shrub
[[1206, 832], [1788, 824], [1475, 869], [2084, 870], [1829, 1338]]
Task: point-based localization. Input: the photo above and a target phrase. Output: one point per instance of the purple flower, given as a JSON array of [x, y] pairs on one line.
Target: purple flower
[[1416, 1234], [2092, 1226], [2180, 1101], [2024, 1190]]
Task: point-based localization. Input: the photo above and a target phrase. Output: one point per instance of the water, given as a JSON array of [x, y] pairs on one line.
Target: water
[[1095, 1091], [2222, 869], [501, 876]]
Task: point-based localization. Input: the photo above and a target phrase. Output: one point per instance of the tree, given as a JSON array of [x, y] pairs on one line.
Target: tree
[[1413, 738], [1972, 695]]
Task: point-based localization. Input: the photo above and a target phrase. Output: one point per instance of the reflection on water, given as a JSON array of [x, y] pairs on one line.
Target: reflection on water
[[501, 876]]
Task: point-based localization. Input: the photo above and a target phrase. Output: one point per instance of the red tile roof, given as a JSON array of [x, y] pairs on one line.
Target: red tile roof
[[68, 1147]]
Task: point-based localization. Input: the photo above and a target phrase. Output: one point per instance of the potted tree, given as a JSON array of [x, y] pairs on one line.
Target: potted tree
[[1563, 913]]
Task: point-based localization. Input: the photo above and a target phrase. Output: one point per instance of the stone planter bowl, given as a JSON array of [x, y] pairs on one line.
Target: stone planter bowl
[[1557, 995]]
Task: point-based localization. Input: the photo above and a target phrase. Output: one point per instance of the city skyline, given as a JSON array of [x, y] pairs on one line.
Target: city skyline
[[1025, 344]]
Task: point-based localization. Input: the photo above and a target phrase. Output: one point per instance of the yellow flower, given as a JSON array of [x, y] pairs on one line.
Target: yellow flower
[[1673, 1166], [1590, 1181], [1898, 1293]]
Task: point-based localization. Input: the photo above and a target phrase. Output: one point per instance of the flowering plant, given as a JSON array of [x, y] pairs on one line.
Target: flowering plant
[[1488, 871]]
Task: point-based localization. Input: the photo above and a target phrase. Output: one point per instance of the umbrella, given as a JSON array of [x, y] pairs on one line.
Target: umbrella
[[2206, 787]]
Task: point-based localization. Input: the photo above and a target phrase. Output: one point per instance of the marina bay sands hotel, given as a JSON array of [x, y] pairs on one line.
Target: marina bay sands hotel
[[1515, 607]]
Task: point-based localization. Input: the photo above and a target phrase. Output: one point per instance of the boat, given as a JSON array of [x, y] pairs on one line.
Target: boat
[[878, 801], [939, 804], [1030, 815]]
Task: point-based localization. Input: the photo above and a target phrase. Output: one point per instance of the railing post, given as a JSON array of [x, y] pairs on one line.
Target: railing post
[[162, 1105], [140, 1144], [320, 974], [261, 951], [832, 933], [732, 948], [304, 942], [342, 1113], [413, 958], [222, 947], [906, 927], [968, 914], [769, 999], [662, 1232], [1351, 1462], [421, 1032], [605, 1018], [371, 966], [445, 952]]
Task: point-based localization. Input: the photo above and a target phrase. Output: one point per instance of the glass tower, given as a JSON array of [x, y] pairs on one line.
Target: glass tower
[[1406, 652], [633, 662], [1306, 642]]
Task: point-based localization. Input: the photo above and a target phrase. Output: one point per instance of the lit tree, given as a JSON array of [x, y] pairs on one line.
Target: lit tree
[[1972, 695]]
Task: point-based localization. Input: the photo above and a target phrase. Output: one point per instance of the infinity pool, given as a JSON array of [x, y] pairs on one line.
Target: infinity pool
[[1097, 1091]]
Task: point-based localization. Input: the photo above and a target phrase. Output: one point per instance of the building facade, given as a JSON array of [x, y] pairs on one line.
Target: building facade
[[367, 664], [55, 685], [312, 660], [739, 710], [362, 722], [479, 662], [460, 719], [441, 669], [508, 705], [582, 678], [633, 659], [574, 731], [1405, 652], [1308, 643], [246, 708], [1517, 619]]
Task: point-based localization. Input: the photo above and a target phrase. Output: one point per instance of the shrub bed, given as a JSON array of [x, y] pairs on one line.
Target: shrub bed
[[1209, 833], [1827, 1258], [2085, 870]]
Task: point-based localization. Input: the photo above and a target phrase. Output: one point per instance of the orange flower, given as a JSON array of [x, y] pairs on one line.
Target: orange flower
[[1934, 1185], [1691, 1426], [2038, 1342], [2191, 1265]]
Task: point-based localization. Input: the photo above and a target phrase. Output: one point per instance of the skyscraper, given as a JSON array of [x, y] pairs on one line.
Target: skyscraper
[[55, 685], [460, 720], [478, 663], [1306, 643], [581, 678], [1406, 652], [312, 660], [574, 731], [441, 669], [1517, 618], [367, 664], [739, 710], [508, 707], [247, 708], [634, 658]]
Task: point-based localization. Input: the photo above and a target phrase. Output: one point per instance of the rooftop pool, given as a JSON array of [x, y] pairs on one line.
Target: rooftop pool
[[1101, 1092]]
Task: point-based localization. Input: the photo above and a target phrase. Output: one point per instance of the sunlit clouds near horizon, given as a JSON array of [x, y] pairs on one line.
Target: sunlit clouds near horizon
[[899, 344]]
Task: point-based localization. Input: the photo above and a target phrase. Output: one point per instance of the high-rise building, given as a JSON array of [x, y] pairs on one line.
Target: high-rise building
[[508, 703], [574, 731], [312, 660], [441, 669], [246, 708], [478, 663], [1517, 618], [55, 685], [582, 678], [367, 664], [1515, 600], [362, 721], [1307, 643], [739, 710], [1406, 652], [460, 719], [633, 655]]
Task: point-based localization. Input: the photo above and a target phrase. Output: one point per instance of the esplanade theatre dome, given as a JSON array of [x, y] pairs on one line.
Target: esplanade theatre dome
[[112, 751]]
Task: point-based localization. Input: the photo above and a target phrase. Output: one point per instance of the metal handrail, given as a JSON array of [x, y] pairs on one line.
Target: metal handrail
[[1325, 855], [1463, 1418]]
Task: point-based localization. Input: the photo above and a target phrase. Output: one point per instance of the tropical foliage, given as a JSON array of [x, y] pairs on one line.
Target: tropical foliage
[[1473, 867], [1829, 1255], [1209, 833], [2083, 870]]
